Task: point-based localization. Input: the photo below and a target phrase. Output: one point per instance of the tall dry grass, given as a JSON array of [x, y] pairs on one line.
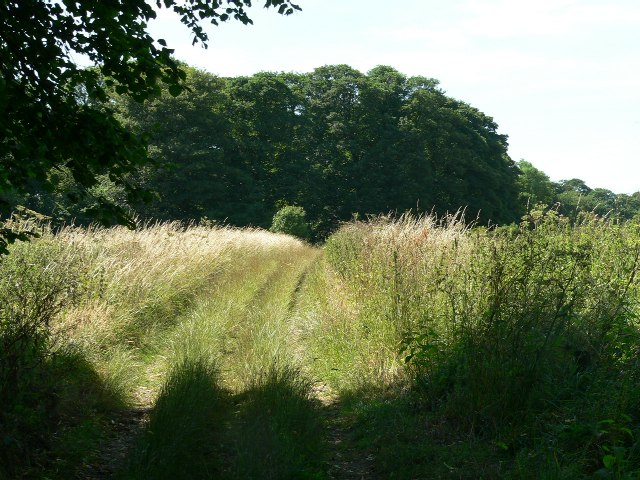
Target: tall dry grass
[[497, 334], [369, 292], [461, 352], [148, 277], [94, 308], [236, 339]]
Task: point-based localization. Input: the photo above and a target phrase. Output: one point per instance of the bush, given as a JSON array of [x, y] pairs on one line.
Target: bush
[[527, 315], [525, 336], [37, 281], [292, 221]]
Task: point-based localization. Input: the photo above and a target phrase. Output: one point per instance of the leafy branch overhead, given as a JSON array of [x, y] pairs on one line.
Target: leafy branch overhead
[[54, 114]]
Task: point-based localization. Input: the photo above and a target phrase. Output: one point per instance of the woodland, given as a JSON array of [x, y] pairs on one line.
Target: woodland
[[422, 306], [338, 143]]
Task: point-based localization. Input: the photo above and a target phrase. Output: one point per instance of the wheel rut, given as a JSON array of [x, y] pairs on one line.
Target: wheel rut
[[344, 460]]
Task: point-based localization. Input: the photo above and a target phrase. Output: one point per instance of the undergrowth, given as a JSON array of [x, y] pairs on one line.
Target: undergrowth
[[428, 348], [520, 344], [85, 315]]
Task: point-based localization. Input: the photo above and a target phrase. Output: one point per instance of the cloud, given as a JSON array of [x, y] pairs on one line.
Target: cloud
[[545, 18]]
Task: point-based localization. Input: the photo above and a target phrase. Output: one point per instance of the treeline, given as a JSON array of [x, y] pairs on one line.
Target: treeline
[[571, 196], [337, 142]]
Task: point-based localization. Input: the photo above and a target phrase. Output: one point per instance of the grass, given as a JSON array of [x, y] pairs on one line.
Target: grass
[[181, 437], [265, 416], [137, 316], [277, 432], [407, 348], [518, 346]]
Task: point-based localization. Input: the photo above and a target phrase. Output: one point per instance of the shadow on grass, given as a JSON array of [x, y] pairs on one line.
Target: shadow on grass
[[181, 437], [54, 420], [278, 430], [197, 430], [407, 441]]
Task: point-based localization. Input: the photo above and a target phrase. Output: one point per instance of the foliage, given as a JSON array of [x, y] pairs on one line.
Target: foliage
[[435, 349], [105, 317], [23, 224], [573, 196], [292, 221], [55, 115], [522, 344], [534, 185], [36, 284], [334, 141], [77, 142]]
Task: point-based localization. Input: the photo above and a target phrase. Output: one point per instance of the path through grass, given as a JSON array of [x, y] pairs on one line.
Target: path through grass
[[217, 353], [185, 355], [238, 400], [234, 403]]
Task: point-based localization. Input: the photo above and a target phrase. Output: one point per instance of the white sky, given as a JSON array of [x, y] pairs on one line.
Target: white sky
[[560, 77]]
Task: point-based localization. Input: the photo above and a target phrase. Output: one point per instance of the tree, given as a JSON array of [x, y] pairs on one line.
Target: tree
[[190, 141], [570, 195], [601, 201], [379, 176], [574, 185], [292, 221], [468, 160], [628, 206], [534, 185], [333, 141], [267, 123], [54, 114]]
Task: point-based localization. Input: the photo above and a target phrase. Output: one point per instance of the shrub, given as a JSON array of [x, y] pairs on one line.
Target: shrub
[[525, 335], [292, 221], [527, 314], [37, 281]]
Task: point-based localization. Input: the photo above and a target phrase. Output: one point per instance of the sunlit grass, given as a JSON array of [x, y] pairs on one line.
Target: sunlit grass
[[505, 343], [141, 305], [424, 346]]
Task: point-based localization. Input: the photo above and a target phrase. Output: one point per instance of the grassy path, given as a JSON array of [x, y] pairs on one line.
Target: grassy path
[[261, 419], [238, 354], [345, 459], [225, 392]]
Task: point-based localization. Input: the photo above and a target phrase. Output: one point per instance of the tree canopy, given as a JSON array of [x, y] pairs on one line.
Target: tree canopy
[[337, 142], [334, 141], [94, 143], [55, 119]]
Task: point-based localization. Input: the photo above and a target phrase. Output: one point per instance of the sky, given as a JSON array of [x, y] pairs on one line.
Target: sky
[[561, 78]]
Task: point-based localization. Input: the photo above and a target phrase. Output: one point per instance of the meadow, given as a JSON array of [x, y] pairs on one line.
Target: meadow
[[401, 348]]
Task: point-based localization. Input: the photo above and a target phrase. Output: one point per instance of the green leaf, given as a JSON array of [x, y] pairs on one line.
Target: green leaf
[[627, 431], [175, 90], [609, 461]]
